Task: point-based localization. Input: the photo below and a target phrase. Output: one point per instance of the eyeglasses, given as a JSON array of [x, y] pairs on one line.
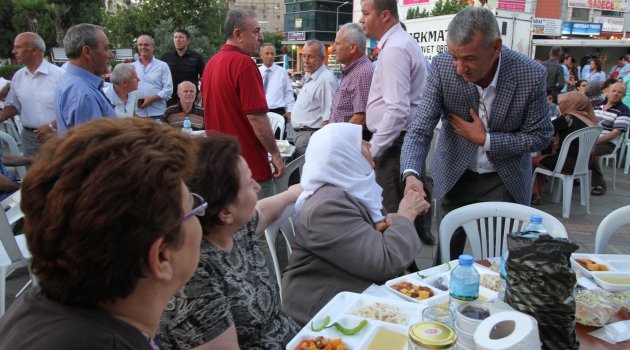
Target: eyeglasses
[[199, 208]]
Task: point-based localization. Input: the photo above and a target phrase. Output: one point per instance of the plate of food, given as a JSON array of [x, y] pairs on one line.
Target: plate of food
[[357, 321], [412, 288], [587, 263]]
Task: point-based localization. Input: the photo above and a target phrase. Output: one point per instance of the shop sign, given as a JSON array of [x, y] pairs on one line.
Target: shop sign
[[606, 5], [581, 28], [546, 26], [610, 24], [298, 23], [296, 36], [512, 5]]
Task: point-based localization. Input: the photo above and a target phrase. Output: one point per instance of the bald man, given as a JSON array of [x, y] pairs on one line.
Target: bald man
[[174, 115], [32, 93]]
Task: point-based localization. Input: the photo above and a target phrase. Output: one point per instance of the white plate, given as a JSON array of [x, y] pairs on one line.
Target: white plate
[[339, 309], [610, 285], [415, 280], [598, 258]]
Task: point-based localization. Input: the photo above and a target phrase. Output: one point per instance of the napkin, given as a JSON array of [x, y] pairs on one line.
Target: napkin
[[614, 332]]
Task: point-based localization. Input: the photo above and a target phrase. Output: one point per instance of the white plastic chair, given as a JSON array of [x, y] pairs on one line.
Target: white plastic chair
[[625, 150], [612, 156], [13, 148], [282, 183], [277, 123], [487, 225], [283, 225], [14, 254], [611, 223], [587, 138]]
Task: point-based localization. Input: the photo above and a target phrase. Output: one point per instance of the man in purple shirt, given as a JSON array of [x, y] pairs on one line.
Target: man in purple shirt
[[350, 101], [79, 97]]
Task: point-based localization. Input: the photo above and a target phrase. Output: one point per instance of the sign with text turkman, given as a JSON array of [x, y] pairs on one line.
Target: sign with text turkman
[[296, 35]]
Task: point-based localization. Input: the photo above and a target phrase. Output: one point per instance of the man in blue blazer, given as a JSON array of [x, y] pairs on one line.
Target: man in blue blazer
[[492, 102]]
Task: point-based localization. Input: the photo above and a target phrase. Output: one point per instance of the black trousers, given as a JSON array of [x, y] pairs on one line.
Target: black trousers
[[388, 177], [470, 188]]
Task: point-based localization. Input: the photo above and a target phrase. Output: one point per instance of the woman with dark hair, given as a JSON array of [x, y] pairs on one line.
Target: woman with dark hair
[[581, 86], [577, 113], [231, 302], [113, 234], [596, 71], [337, 246]]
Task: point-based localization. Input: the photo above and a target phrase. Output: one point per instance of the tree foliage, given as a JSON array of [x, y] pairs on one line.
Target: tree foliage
[[156, 17], [441, 7], [49, 18]]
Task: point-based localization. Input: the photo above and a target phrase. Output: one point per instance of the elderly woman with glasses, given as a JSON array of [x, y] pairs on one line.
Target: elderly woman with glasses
[[112, 231], [231, 302]]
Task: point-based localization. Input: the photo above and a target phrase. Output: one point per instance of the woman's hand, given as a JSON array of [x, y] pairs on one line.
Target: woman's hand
[[413, 204]]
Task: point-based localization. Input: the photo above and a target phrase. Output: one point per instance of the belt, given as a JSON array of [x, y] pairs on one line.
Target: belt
[[28, 129], [304, 128]]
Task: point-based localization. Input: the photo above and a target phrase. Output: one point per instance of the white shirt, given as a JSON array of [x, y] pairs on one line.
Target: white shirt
[[155, 79], [33, 94], [399, 79], [482, 164], [122, 109], [279, 91], [313, 103]]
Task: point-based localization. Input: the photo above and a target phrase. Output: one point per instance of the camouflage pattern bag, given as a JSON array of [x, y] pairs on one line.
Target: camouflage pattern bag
[[541, 283]]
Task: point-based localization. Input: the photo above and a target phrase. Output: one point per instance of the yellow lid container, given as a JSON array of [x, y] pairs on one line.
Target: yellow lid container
[[431, 335]]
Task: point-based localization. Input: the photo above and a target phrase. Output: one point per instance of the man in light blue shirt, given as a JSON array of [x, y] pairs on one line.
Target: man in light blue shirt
[[122, 92], [156, 82], [79, 97]]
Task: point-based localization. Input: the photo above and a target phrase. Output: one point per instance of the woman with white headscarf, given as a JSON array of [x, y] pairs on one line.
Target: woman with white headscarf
[[336, 247]]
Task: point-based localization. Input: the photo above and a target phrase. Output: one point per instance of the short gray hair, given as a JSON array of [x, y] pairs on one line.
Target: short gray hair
[[555, 51], [267, 44], [148, 36], [181, 85], [236, 18], [121, 72], [35, 40], [320, 46], [471, 20], [78, 36], [354, 34]]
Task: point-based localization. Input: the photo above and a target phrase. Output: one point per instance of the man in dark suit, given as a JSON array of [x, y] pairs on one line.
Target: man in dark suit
[[492, 102]]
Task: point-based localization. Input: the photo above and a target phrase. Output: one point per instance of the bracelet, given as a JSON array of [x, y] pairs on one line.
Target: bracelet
[[52, 128]]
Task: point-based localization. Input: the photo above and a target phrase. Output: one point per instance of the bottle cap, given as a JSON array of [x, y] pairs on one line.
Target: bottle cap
[[465, 260], [537, 219]]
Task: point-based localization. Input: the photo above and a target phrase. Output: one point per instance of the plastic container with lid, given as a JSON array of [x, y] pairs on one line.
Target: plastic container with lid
[[431, 335], [464, 286]]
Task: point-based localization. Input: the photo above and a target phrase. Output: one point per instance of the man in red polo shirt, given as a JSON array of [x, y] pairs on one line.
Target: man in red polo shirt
[[234, 98]]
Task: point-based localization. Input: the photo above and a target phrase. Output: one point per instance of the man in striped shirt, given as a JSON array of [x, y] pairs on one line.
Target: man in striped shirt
[[350, 101], [614, 118]]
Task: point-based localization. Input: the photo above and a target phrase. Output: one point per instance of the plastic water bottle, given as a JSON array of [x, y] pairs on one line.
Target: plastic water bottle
[[464, 283], [187, 126], [535, 226]]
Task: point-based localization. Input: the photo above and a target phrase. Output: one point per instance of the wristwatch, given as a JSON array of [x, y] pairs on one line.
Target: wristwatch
[[407, 174], [52, 128]]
